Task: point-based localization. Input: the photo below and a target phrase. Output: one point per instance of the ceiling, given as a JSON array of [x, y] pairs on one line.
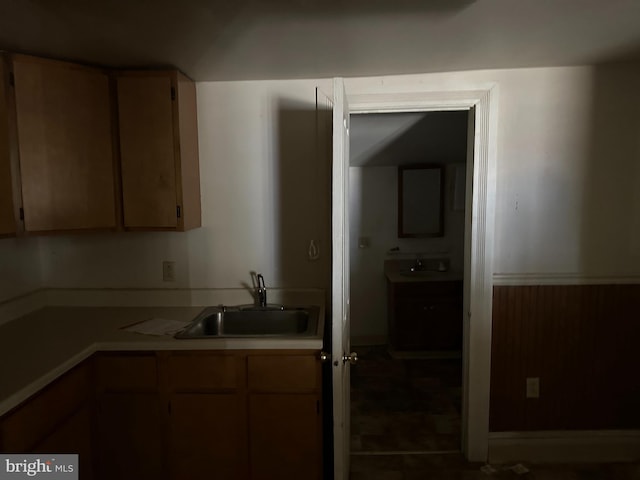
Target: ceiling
[[271, 39], [390, 139]]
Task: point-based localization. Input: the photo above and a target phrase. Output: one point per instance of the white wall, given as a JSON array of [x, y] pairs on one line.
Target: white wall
[[20, 263], [568, 165], [264, 196], [567, 185]]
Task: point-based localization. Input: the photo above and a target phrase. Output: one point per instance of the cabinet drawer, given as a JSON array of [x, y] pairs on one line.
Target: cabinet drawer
[[39, 416], [283, 373], [127, 371], [429, 308], [202, 371]]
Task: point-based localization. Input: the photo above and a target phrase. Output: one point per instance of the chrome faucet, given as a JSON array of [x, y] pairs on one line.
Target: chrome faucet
[[261, 290], [418, 266]]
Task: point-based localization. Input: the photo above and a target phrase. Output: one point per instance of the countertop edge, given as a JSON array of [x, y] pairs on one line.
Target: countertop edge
[[59, 370], [109, 336]]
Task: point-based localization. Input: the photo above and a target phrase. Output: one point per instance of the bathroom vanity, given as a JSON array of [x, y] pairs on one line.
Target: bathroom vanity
[[425, 310]]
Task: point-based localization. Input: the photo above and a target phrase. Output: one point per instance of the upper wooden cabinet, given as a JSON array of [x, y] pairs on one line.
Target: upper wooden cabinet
[[158, 150], [7, 206], [64, 135]]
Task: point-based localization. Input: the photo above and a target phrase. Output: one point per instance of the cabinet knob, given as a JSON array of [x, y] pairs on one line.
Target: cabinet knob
[[325, 357], [352, 358]]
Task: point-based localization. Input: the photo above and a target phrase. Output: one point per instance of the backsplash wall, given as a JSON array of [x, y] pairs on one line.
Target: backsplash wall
[[20, 267]]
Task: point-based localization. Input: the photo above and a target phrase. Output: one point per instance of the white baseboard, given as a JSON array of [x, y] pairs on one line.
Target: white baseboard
[[586, 446]]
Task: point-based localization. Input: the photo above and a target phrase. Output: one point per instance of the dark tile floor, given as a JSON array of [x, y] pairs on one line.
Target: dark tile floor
[[401, 405], [413, 405]]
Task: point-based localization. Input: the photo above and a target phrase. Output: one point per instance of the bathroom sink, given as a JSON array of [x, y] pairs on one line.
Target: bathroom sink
[[243, 321], [421, 273]]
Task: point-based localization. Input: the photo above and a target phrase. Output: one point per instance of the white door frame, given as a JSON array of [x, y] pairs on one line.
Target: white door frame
[[478, 248]]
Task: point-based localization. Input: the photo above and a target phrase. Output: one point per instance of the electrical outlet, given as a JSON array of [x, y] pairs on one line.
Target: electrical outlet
[[533, 387], [168, 271]]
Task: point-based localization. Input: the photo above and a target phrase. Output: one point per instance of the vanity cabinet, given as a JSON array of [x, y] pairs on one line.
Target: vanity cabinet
[[158, 139], [7, 203], [64, 140], [425, 315]]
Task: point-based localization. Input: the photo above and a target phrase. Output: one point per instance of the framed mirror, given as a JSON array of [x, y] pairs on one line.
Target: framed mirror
[[420, 201]]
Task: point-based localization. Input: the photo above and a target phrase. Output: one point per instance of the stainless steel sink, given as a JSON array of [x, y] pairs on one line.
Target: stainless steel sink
[[244, 321]]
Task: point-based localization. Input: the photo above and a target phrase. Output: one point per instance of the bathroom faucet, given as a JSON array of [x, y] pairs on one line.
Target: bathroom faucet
[[418, 266], [262, 291]]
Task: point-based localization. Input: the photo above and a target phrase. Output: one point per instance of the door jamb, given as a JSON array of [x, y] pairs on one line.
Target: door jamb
[[479, 255]]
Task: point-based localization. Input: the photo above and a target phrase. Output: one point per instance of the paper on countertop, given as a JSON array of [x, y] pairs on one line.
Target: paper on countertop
[[156, 326]]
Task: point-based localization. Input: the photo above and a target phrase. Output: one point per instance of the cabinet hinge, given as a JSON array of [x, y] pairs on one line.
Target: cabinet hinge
[[21, 213], [178, 212], [173, 93], [12, 79]]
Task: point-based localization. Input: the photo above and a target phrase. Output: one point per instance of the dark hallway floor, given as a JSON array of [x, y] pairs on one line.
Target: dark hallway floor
[[405, 425], [404, 405]]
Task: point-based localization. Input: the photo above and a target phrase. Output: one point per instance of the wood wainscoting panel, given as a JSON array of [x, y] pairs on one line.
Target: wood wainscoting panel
[[581, 341]]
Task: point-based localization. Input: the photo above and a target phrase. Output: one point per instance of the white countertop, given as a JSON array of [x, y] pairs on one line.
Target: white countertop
[[39, 347]]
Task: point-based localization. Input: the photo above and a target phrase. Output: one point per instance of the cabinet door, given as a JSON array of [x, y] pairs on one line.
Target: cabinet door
[[7, 217], [208, 436], [65, 144], [73, 436], [429, 324], [130, 436], [285, 436], [145, 110], [35, 419]]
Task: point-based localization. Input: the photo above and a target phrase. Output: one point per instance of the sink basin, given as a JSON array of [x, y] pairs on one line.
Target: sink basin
[[245, 321]]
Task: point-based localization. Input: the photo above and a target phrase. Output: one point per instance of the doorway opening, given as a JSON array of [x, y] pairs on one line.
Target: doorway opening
[[407, 182], [478, 255]]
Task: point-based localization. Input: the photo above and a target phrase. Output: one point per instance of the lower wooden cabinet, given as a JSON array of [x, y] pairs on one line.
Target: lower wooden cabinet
[[208, 436], [73, 436], [285, 421], [285, 436], [238, 415], [130, 435], [57, 419]]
